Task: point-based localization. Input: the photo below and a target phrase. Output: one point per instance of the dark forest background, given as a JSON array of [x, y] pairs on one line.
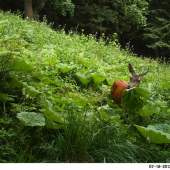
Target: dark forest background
[[145, 23]]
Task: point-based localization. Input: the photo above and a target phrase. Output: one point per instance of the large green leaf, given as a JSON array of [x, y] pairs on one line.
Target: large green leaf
[[52, 115], [110, 81], [29, 90], [65, 68], [5, 97], [159, 133], [141, 91], [13, 82], [162, 127], [99, 77], [149, 109], [163, 104], [52, 125], [20, 65], [134, 98], [31, 118], [45, 80], [84, 79], [112, 113]]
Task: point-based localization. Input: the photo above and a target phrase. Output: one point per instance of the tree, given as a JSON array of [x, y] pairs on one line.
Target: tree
[[129, 14], [32, 8], [30, 12], [109, 15], [157, 31]]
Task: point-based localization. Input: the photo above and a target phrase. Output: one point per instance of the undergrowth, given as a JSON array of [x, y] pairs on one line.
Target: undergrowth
[[55, 98]]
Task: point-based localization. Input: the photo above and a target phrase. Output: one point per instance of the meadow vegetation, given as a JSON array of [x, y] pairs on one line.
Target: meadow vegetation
[[55, 98]]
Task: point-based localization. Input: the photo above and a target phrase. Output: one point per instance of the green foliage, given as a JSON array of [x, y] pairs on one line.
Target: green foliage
[[84, 79], [58, 87], [134, 99], [65, 68], [159, 133], [64, 7], [99, 77], [13, 82], [53, 116], [109, 152], [110, 113], [157, 30], [149, 109], [29, 91], [77, 138], [108, 15], [31, 118]]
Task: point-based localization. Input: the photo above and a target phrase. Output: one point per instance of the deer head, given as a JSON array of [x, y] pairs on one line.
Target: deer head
[[135, 78]]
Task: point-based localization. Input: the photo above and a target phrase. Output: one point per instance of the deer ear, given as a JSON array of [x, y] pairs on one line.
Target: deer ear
[[144, 73], [131, 69]]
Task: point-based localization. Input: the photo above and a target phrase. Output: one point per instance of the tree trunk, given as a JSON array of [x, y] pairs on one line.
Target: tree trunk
[[117, 30], [156, 52], [100, 4], [38, 8], [29, 12], [117, 25], [28, 9]]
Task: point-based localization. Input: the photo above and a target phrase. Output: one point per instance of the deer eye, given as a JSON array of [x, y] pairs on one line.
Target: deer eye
[[138, 80]]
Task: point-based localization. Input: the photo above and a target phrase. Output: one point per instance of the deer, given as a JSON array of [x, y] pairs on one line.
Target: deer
[[120, 85]]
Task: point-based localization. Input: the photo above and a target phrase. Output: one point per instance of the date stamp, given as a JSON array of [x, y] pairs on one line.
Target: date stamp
[[159, 166]]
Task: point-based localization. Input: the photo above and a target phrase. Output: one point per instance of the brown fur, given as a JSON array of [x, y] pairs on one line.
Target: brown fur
[[117, 89]]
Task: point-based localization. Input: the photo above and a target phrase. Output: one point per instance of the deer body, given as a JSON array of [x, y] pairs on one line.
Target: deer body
[[117, 89], [120, 85]]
